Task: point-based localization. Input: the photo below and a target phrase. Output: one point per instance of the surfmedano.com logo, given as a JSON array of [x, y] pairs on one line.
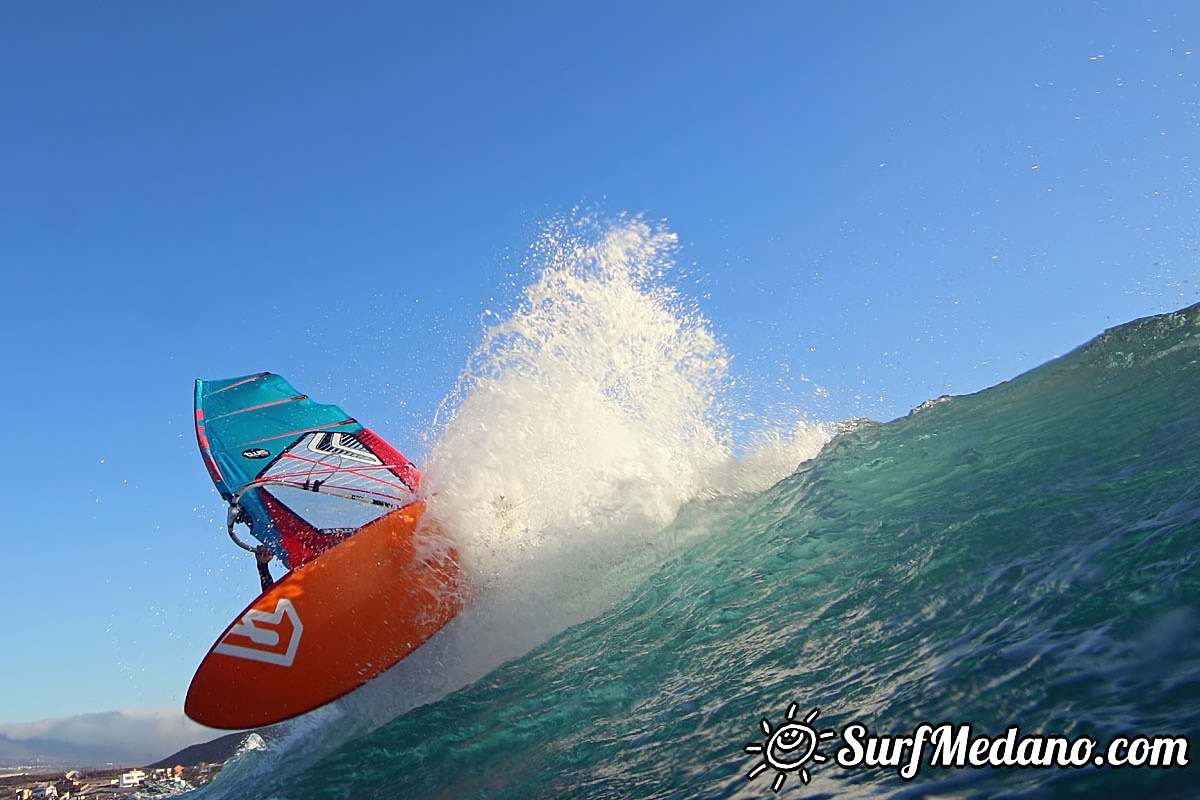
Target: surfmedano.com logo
[[794, 746]]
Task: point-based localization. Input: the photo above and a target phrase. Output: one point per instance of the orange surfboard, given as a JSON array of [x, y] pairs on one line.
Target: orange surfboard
[[330, 625]]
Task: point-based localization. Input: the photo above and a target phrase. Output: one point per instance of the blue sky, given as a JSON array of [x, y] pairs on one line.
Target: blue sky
[[886, 201]]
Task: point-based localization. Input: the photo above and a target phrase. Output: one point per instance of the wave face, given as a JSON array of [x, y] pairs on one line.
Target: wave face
[[651, 592]]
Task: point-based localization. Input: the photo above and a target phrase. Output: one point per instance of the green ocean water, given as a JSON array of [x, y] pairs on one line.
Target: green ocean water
[[1026, 556]]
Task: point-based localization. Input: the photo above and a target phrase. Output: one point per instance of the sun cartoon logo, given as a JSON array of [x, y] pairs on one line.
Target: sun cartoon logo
[[789, 748]]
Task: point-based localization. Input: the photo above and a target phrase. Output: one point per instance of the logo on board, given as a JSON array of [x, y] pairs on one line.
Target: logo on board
[[272, 637]]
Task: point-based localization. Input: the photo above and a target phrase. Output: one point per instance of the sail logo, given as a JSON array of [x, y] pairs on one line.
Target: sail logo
[[343, 445], [271, 637]]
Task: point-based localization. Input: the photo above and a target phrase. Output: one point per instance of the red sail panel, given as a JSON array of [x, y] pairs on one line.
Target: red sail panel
[[302, 542], [398, 464]]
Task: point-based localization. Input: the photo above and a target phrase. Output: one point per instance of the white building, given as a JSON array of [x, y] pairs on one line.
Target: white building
[[134, 777]]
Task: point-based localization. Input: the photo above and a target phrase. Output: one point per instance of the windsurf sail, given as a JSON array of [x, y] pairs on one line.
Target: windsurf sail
[[303, 476]]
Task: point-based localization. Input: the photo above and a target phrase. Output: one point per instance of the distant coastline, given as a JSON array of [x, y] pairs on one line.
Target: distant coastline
[[186, 769]]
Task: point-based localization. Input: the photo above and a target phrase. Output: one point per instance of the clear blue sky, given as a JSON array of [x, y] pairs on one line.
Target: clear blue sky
[[893, 200]]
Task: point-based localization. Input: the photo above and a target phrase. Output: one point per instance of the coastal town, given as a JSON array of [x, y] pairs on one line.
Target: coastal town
[[107, 784], [180, 772]]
